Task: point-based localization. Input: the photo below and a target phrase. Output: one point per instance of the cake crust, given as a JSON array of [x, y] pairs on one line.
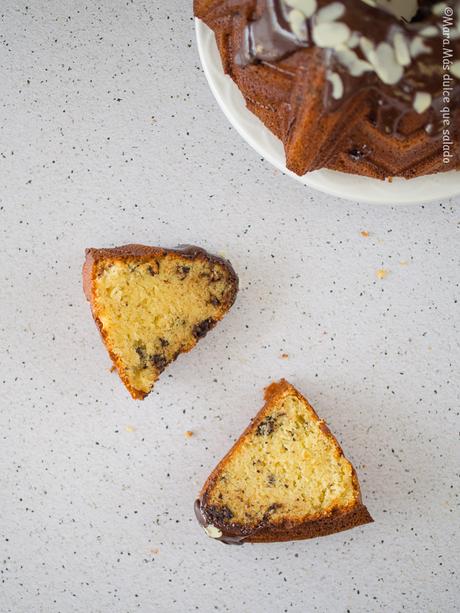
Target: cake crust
[[143, 254], [267, 530]]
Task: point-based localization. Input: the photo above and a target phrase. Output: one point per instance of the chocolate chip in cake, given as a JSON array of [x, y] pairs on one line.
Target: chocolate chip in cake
[[200, 330], [142, 353], [220, 513], [271, 509], [153, 270], [213, 275], [159, 361], [267, 426], [182, 272]]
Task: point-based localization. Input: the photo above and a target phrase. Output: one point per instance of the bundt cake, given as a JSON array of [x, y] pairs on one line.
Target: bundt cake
[[285, 478], [370, 87], [151, 304]]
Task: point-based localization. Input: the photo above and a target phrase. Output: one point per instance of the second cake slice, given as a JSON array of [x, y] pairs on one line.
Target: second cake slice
[[285, 478]]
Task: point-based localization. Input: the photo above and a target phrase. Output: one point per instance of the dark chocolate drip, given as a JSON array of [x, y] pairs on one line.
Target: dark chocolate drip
[[226, 538], [239, 533], [270, 37]]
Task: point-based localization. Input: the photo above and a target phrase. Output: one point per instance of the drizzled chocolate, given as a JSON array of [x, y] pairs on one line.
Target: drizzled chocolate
[[269, 38], [367, 44], [219, 534], [217, 524]]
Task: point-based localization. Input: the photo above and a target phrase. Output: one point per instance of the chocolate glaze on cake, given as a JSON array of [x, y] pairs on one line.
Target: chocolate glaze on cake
[[219, 535], [363, 56], [361, 86]]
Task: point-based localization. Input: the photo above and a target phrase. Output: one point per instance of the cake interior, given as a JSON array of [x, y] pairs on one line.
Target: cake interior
[[153, 309], [287, 466]]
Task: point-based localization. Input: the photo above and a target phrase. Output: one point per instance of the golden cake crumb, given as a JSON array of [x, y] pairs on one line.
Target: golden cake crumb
[[382, 273], [188, 434], [364, 233]]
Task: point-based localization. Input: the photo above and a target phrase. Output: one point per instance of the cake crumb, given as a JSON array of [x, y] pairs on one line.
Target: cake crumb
[[403, 263], [188, 434], [382, 273], [284, 356], [364, 233], [130, 429], [113, 368]]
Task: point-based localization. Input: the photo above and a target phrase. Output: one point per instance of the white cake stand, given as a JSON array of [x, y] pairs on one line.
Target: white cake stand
[[351, 187]]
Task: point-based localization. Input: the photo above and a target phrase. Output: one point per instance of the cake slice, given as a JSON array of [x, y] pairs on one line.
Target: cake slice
[[285, 478], [151, 304]]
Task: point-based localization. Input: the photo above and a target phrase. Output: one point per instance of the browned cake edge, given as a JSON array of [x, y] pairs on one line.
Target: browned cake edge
[[125, 252], [266, 532]]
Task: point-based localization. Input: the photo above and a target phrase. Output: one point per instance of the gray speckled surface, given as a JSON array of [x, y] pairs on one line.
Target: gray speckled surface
[[108, 135]]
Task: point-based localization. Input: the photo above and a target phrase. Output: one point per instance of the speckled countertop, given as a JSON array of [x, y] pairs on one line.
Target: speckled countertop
[[108, 135]]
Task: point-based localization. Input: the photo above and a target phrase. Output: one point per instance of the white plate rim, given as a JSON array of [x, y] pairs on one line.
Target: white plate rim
[[350, 187]]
